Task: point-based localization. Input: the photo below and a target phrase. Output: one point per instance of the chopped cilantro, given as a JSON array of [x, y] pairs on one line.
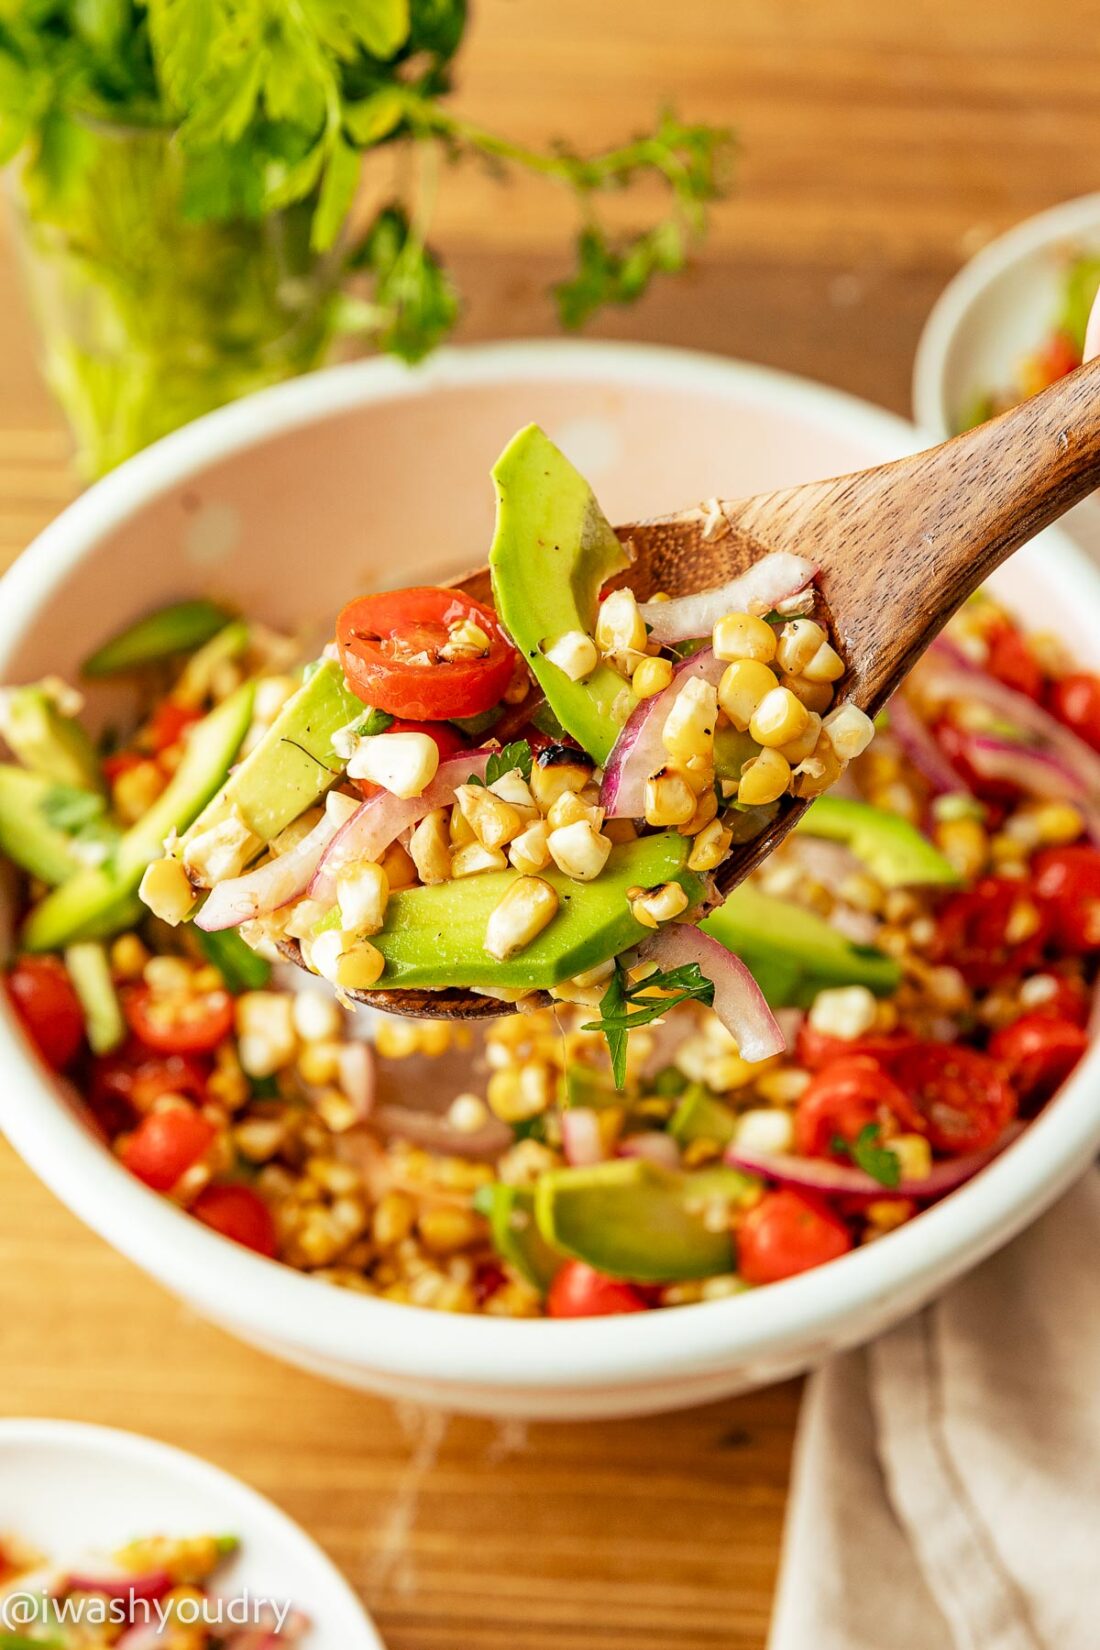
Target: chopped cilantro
[[68, 809], [627, 1006], [517, 755], [869, 1154]]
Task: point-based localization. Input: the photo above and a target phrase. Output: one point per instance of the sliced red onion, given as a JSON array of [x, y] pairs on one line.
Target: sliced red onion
[[1033, 770], [581, 1140], [355, 1064], [653, 1145], [150, 1585], [822, 1175], [436, 1134], [919, 745], [760, 588], [281, 880], [380, 820], [638, 751], [738, 1001]]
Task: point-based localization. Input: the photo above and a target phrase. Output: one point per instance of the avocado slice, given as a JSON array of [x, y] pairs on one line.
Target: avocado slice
[[433, 937], [89, 903], [793, 953], [699, 1116], [293, 763], [510, 1211], [90, 973], [552, 552], [634, 1219], [178, 628], [894, 851], [46, 740], [27, 836]]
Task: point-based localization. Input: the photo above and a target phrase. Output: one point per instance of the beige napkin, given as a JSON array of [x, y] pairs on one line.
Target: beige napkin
[[946, 1490]]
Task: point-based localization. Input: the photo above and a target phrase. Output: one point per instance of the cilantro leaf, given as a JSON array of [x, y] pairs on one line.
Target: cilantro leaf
[[627, 1006], [517, 755], [68, 809], [869, 1154]]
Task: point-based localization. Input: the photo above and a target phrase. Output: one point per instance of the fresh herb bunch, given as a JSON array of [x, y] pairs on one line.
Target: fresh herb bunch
[[273, 102]]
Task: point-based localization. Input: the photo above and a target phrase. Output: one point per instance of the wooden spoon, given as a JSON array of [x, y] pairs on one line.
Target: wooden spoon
[[899, 547]]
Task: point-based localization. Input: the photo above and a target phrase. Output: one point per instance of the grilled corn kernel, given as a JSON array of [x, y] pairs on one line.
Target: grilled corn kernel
[[493, 821], [522, 913], [136, 789], [361, 893], [460, 829], [620, 628], [914, 1155], [705, 809], [779, 719], [688, 732], [850, 731], [529, 851], [444, 1229], [359, 966], [430, 847], [814, 695], [221, 851], [166, 891], [396, 1039], [319, 1063], [765, 1129], [669, 799], [620, 830], [799, 641], [128, 957], [550, 779], [797, 750], [783, 1086], [765, 778], [710, 847], [465, 640], [570, 808], [512, 788], [817, 771], [657, 905], [467, 1113], [470, 861], [579, 850], [652, 676], [825, 666], [1058, 823], [845, 1011], [743, 636], [515, 1097], [744, 684], [393, 1219], [404, 763], [575, 654]]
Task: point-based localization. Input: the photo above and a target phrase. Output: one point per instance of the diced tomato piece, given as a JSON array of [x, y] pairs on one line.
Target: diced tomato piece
[[48, 1008], [390, 647], [169, 723], [842, 1100], [993, 931], [187, 1023], [579, 1291], [165, 1144], [788, 1232], [1067, 880], [1011, 661], [239, 1213], [816, 1049], [962, 1096], [1038, 1051], [1075, 701]]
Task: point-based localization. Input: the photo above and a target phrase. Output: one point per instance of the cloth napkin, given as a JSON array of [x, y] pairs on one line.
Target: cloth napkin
[[946, 1491]]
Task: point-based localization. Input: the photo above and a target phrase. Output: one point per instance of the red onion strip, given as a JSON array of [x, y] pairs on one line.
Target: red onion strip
[[638, 751], [280, 880], [738, 1001], [757, 590], [821, 1174]]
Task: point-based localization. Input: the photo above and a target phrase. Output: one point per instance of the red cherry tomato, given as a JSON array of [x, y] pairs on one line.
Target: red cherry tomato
[[1068, 881], [579, 1291], [448, 742], [1068, 1000], [1058, 356], [181, 1024], [952, 741], [1038, 1052], [47, 1007], [389, 647], [962, 1096], [239, 1213], [788, 1232], [165, 1144], [842, 1100], [1075, 701], [121, 762], [133, 1079], [816, 1049], [168, 724], [984, 931], [1012, 662]]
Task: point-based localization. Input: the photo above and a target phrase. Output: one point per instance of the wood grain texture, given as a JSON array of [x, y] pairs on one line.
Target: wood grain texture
[[881, 146]]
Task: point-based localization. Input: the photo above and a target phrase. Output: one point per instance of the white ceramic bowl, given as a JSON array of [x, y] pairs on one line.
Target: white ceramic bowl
[[368, 475], [1000, 307], [77, 1492]]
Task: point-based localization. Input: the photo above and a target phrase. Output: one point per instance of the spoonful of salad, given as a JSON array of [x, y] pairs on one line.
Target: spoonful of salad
[[538, 781]]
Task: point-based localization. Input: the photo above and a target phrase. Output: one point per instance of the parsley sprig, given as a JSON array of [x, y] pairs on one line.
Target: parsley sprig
[[628, 1005], [516, 755], [868, 1153]]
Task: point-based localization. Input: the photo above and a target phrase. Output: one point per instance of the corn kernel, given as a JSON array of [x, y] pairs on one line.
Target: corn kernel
[[513, 1100], [393, 1219], [221, 851], [914, 1155], [362, 892], [689, 726], [846, 1012], [512, 788], [799, 641], [522, 913], [620, 628], [471, 861], [816, 772], [710, 847], [651, 677], [529, 852], [550, 779], [764, 779], [653, 906], [398, 866], [430, 847], [136, 789], [166, 891], [494, 822], [575, 654], [403, 763], [465, 640], [360, 966], [825, 666], [744, 684], [765, 1129], [669, 799], [705, 810], [570, 808], [396, 1039], [814, 695], [579, 850], [467, 1113], [778, 719], [744, 636], [850, 730], [444, 1228], [797, 750]]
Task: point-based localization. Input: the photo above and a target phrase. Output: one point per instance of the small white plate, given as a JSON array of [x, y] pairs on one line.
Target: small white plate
[[77, 1492]]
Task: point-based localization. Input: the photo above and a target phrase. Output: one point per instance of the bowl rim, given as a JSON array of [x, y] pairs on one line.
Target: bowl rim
[[156, 1458], [949, 313], [271, 1303]]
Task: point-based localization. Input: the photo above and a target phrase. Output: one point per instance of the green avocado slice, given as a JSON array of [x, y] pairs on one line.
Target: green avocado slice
[[434, 937], [90, 972], [170, 630], [87, 904], [46, 740], [793, 953], [699, 1116], [894, 851], [26, 835], [635, 1219], [510, 1211], [553, 550]]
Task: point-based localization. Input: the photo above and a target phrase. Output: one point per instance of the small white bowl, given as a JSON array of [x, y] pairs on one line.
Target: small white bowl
[[371, 475], [76, 1492], [999, 308]]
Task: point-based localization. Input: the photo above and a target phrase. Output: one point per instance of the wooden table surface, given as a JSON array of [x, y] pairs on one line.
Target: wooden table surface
[[881, 146]]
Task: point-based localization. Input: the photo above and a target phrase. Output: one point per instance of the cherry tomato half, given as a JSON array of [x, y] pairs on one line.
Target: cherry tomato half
[[1038, 1052], [1067, 999], [448, 742], [1012, 662], [788, 1232], [239, 1213], [1068, 881], [962, 1096], [579, 1291], [1075, 701], [165, 1144], [842, 1100], [994, 930], [817, 1049], [168, 724], [48, 1008], [389, 647], [184, 1023], [127, 1084]]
